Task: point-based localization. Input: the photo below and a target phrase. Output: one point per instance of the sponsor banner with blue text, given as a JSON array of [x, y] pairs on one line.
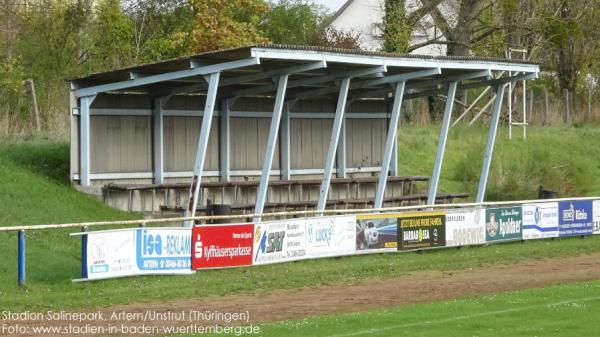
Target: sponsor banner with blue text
[[279, 241], [575, 217], [138, 251], [540, 220], [330, 236], [465, 227]]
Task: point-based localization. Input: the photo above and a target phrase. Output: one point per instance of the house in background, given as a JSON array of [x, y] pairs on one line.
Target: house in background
[[367, 16]]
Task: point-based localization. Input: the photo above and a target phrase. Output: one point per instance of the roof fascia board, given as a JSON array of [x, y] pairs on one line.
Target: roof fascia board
[[266, 53], [214, 68]]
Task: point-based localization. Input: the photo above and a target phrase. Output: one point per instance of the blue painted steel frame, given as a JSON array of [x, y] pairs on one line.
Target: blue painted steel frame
[[333, 143], [209, 107], [261, 194], [390, 144], [487, 159], [439, 157]]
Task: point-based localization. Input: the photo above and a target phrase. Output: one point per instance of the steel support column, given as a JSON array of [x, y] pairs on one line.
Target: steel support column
[[487, 159], [84, 129], [394, 163], [341, 151], [439, 158], [261, 194], [285, 143], [389, 144], [333, 143], [224, 140], [158, 138], [209, 108]]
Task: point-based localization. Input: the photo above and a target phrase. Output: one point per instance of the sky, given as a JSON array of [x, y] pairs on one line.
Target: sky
[[332, 4]]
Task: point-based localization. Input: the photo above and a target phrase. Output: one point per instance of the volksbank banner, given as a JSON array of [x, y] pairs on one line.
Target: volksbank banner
[[138, 251], [465, 227], [540, 220], [575, 218], [421, 230], [503, 224]]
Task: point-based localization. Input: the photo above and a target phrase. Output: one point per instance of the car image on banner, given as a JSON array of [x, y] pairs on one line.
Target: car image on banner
[[330, 236], [540, 220], [465, 227], [220, 246], [377, 231], [504, 223], [279, 241], [575, 218]]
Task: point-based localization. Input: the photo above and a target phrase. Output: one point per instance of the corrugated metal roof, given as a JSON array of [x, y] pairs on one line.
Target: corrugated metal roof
[[232, 53], [176, 74]]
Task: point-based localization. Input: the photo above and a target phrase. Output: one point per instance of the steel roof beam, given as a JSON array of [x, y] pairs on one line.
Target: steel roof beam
[[378, 81], [248, 78], [200, 71], [442, 80], [313, 80], [491, 82]]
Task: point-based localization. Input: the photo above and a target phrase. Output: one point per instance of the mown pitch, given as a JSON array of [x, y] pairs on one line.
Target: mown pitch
[[565, 310]]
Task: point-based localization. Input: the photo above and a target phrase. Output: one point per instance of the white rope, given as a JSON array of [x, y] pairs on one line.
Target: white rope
[[283, 214]]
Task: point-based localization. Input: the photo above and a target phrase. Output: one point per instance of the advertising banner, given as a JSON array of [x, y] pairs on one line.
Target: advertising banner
[[505, 223], [540, 220], [219, 246], [330, 236], [465, 227], [575, 218], [421, 230], [377, 232], [596, 216], [163, 249], [138, 251], [279, 241]]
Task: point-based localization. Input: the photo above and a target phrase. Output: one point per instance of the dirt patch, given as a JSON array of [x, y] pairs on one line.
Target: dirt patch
[[278, 305]]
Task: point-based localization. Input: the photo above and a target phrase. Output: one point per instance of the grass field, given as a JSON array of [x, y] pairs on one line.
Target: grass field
[[35, 189], [565, 310]]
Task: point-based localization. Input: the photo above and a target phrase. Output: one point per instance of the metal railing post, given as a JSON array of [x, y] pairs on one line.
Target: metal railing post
[[21, 258], [84, 244]]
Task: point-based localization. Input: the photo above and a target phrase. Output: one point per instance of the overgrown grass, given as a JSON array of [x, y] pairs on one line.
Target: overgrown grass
[[565, 310], [35, 189], [559, 158]]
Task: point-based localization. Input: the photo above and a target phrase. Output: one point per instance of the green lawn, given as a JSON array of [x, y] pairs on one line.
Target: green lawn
[[35, 189], [565, 310], [559, 158]]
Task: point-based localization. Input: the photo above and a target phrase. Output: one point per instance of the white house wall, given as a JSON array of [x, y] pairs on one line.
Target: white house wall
[[367, 16]]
